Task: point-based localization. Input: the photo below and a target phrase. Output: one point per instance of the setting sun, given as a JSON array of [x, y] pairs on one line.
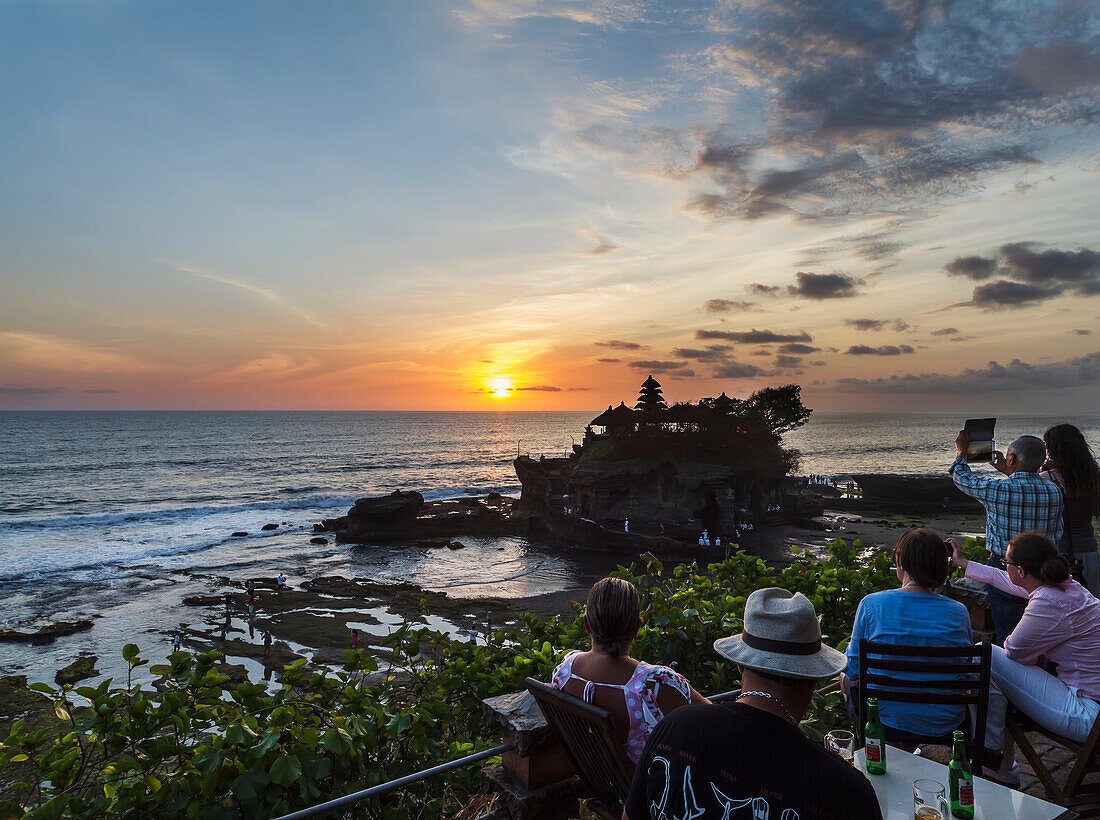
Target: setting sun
[[502, 388]]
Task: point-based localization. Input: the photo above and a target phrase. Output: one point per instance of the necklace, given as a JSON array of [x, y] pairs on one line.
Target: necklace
[[772, 698]]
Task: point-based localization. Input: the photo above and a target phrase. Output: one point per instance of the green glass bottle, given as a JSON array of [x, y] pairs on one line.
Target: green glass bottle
[[874, 740], [962, 781]]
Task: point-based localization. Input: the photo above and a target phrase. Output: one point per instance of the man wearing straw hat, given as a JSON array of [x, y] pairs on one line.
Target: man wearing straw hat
[[748, 758]]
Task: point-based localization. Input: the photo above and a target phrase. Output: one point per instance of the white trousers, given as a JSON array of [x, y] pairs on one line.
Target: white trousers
[[1042, 697]]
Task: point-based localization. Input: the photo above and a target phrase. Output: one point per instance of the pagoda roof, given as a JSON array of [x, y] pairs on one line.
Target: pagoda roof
[[615, 416], [651, 382]]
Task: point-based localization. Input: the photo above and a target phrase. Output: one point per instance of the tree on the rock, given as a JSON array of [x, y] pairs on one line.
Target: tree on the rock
[[779, 408], [650, 398]]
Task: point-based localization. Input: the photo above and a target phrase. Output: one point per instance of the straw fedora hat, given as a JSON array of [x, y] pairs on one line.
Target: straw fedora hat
[[781, 635]]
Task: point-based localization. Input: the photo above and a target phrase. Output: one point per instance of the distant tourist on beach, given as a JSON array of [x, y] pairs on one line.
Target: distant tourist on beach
[[280, 582], [913, 614], [1019, 503], [355, 639], [225, 632], [267, 641], [748, 758], [637, 694], [176, 641], [1061, 622], [1071, 465]]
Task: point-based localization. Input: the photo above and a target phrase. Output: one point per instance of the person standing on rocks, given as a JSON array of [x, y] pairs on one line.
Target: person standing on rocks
[[267, 642], [355, 639]]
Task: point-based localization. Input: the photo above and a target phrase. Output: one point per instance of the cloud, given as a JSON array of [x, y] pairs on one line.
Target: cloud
[[820, 286], [602, 249], [737, 370], [797, 348], [727, 305], [40, 351], [867, 324], [945, 331], [972, 267], [609, 361], [618, 344], [787, 362], [1005, 294], [754, 336], [546, 388], [763, 290], [12, 390], [265, 294], [1030, 275], [713, 353], [1081, 331], [658, 366], [882, 350], [1016, 377], [99, 390]]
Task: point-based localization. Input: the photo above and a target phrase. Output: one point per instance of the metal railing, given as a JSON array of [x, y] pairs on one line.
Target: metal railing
[[442, 768]]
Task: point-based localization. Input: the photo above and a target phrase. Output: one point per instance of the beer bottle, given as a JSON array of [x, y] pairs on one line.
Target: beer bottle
[[962, 781], [874, 740]]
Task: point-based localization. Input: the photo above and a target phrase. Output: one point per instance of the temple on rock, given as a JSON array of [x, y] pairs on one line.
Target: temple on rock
[[657, 474]]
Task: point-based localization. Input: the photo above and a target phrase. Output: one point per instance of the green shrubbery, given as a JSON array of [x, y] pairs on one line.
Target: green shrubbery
[[203, 748]]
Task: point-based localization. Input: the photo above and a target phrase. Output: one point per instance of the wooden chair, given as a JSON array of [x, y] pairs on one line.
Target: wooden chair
[[1081, 797], [586, 732], [964, 682]]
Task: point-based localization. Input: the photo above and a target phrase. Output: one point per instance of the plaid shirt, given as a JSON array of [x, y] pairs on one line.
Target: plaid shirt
[[1013, 505]]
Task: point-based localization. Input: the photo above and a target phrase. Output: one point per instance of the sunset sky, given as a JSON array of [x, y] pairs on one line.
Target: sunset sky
[[511, 204]]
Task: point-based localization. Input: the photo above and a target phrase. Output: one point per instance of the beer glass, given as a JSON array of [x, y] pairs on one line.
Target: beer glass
[[842, 743], [929, 802]]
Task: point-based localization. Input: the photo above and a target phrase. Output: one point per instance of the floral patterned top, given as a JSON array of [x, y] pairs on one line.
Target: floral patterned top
[[640, 693]]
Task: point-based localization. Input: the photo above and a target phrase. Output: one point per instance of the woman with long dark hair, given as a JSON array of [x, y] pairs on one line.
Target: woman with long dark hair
[[1071, 465], [637, 694], [1061, 623]]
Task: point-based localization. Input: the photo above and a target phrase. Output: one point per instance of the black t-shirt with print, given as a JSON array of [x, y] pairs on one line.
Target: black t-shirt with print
[[735, 761]]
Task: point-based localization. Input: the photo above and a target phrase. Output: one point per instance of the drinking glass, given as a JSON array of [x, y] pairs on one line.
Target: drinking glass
[[842, 743], [929, 802]]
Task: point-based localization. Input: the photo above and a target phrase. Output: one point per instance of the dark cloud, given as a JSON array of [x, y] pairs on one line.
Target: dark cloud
[[945, 331], [972, 267], [602, 249], [11, 390], [99, 390], [713, 353], [737, 370], [658, 366], [823, 286], [726, 305], [609, 361], [797, 348], [1059, 67], [546, 388], [618, 344], [867, 324], [763, 290], [1081, 331], [1005, 294], [1016, 376], [882, 350], [754, 336], [787, 362], [818, 363], [1030, 275]]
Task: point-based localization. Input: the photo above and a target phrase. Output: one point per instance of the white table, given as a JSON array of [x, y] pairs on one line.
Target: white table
[[993, 801]]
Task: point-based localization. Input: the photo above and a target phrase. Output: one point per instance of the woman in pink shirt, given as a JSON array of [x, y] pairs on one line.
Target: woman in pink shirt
[[1061, 623]]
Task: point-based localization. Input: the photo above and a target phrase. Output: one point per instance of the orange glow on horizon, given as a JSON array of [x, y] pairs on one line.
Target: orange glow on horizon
[[502, 388]]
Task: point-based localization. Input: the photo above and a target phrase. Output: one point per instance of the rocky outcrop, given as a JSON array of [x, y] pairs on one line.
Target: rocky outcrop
[[925, 492], [404, 516], [80, 669], [47, 634]]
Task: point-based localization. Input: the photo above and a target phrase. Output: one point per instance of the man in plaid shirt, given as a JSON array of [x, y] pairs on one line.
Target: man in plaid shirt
[[1016, 504]]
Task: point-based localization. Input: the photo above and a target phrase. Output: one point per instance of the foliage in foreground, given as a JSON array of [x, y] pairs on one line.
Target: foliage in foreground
[[204, 748]]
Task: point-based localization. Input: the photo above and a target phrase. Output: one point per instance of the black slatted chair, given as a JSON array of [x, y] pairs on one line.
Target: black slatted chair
[[587, 733], [1083, 797], [962, 680]]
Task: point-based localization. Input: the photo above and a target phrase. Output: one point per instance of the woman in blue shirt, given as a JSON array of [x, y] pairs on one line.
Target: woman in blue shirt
[[914, 614]]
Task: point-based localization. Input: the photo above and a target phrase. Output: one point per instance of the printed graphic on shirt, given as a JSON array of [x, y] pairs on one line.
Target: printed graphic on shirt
[[758, 808]]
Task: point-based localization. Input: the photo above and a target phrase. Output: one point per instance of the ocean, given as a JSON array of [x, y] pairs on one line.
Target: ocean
[[96, 509]]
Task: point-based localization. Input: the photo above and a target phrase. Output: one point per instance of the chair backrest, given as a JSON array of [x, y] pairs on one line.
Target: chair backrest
[[587, 733], [961, 678]]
